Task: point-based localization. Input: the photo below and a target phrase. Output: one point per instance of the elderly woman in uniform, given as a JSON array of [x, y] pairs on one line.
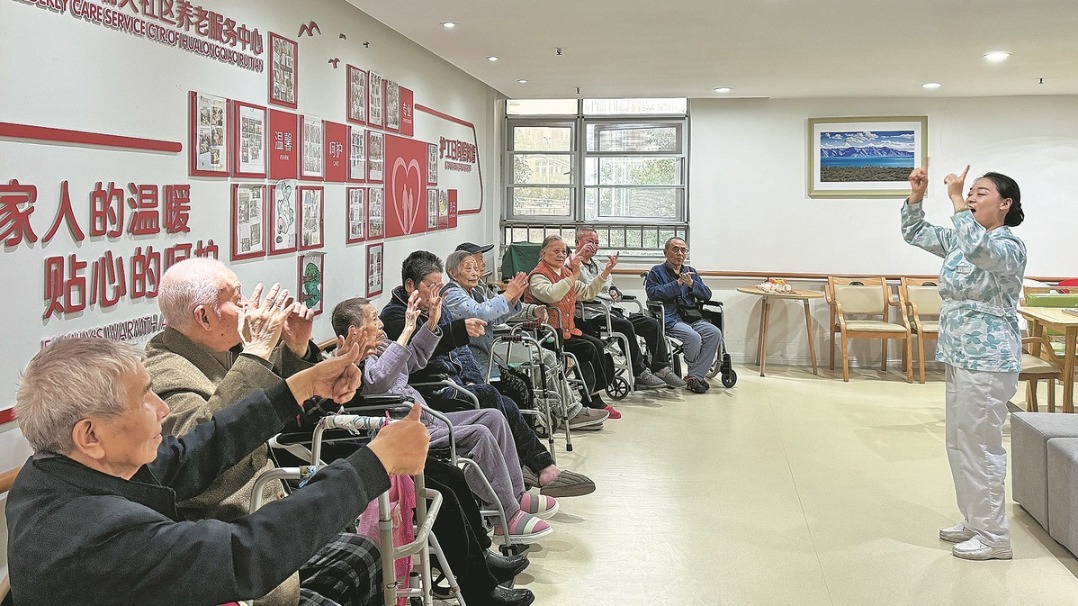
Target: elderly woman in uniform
[[979, 341]]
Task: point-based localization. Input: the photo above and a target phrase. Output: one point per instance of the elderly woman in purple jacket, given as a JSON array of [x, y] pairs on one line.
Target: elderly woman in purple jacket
[[483, 434]]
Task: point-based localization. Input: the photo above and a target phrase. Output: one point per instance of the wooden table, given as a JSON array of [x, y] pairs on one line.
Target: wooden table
[[1041, 318], [765, 313]]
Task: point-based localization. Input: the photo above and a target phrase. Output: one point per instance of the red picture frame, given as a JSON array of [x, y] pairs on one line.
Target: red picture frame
[[375, 269], [392, 114], [248, 233], [311, 269], [355, 215], [312, 161], [245, 140], [283, 71], [376, 100], [283, 217], [376, 213], [357, 154], [376, 156], [208, 135], [355, 95], [312, 204]]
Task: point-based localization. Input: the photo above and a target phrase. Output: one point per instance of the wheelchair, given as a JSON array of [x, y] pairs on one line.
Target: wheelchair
[[712, 312]]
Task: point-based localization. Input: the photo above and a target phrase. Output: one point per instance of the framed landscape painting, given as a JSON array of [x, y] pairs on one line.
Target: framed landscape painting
[[864, 157]]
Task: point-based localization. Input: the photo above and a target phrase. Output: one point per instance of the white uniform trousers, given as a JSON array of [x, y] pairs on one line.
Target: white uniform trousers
[[976, 409]]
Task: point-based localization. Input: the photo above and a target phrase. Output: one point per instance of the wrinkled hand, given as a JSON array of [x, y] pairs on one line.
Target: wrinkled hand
[[297, 328], [574, 265], [411, 314], [401, 446], [918, 184], [434, 306], [686, 279], [475, 327], [956, 185], [541, 314], [515, 288], [261, 322], [610, 263], [336, 378]]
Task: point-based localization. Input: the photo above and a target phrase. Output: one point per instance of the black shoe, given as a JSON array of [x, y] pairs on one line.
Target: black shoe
[[504, 596], [505, 568]]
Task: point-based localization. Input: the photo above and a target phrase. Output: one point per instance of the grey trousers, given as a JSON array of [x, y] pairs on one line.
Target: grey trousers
[[483, 435]]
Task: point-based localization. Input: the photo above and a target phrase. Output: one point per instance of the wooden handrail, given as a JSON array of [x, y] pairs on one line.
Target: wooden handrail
[[8, 478], [712, 273]]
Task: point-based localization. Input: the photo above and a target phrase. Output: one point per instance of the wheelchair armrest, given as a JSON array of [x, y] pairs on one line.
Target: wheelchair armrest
[[711, 303], [304, 437], [628, 297]]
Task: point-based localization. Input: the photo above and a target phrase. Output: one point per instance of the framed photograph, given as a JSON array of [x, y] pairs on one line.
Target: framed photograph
[[375, 100], [248, 221], [443, 209], [376, 150], [356, 215], [249, 140], [283, 74], [432, 208], [864, 157], [357, 95], [283, 217], [432, 164], [310, 217], [312, 148], [357, 155], [393, 105], [376, 218], [208, 143], [311, 283], [374, 270]]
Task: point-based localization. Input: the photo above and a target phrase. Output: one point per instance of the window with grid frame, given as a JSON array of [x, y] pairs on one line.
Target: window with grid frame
[[623, 174]]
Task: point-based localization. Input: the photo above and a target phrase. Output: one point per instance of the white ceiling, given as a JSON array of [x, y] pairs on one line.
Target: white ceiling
[[760, 48]]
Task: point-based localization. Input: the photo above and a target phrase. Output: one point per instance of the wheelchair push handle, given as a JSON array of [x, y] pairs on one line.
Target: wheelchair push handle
[[353, 423]]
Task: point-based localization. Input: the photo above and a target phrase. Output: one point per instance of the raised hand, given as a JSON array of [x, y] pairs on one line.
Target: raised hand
[[918, 184], [297, 328], [610, 263], [956, 185], [434, 305], [514, 289], [411, 314], [574, 262], [261, 323], [336, 378]]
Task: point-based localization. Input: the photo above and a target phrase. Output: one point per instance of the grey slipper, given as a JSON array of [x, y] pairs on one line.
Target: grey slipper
[[568, 484]]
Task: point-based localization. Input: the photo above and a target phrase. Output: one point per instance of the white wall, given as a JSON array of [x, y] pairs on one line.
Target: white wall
[[61, 72], [749, 208]]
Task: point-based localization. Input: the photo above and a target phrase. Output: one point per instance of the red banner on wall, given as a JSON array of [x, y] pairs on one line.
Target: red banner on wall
[[336, 156], [406, 191], [283, 145], [407, 112], [452, 208]]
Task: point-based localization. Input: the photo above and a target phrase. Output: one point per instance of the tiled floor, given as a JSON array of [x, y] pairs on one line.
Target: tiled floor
[[787, 489]]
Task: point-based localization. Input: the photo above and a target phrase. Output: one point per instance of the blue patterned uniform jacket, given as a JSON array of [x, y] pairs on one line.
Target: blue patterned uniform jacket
[[980, 282]]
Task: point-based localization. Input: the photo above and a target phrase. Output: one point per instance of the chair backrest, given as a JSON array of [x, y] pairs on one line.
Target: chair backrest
[[520, 256], [868, 296], [923, 293], [1073, 282]]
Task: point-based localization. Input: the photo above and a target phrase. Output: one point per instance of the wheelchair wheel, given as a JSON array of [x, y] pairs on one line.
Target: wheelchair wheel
[[618, 389], [729, 378]]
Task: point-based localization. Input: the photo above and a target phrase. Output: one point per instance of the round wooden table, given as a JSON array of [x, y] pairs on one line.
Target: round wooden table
[[765, 313]]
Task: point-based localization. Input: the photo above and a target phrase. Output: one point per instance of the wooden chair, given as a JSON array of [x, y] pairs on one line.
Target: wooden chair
[[1041, 296], [1039, 362], [921, 299], [868, 299]]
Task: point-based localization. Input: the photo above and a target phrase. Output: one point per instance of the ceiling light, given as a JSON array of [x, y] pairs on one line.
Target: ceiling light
[[997, 56], [492, 59], [931, 85], [522, 81], [723, 89], [449, 25]]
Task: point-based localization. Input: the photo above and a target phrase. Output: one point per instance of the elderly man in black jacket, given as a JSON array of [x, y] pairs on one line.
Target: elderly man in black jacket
[[92, 518]]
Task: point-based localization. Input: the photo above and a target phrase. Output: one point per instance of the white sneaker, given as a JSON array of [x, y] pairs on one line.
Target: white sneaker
[[974, 549], [956, 534]]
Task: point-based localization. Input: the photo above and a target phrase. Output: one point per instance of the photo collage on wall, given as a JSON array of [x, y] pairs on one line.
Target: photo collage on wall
[[375, 156], [283, 77], [376, 221], [250, 148], [375, 101], [310, 217], [432, 164], [311, 158], [375, 268], [357, 215], [432, 208], [357, 155], [393, 105], [248, 220], [284, 214], [357, 95], [210, 134]]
